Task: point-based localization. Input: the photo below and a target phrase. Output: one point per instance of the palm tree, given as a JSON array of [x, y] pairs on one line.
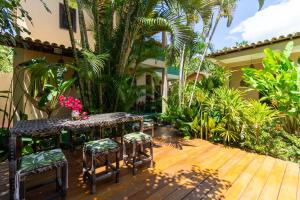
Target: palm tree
[[138, 20], [73, 44], [194, 11], [226, 9]]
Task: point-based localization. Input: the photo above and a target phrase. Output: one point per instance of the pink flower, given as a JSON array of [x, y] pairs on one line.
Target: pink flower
[[72, 104]]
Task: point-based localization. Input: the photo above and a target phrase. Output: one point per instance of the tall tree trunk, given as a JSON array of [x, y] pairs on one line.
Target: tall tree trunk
[[97, 26], [70, 28], [203, 56], [137, 62], [82, 25], [181, 75], [164, 39], [126, 38], [126, 46], [97, 30], [73, 44]]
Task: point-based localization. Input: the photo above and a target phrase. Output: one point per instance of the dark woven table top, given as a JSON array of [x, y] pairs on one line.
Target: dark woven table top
[[53, 126]]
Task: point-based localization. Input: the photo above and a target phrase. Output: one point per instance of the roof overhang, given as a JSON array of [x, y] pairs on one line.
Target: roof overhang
[[38, 45], [153, 63], [253, 54]]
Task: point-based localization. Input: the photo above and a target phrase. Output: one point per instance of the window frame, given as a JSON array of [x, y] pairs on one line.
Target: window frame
[[63, 24]]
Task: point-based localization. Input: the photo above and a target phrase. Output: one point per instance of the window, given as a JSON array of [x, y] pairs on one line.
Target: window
[[63, 23]]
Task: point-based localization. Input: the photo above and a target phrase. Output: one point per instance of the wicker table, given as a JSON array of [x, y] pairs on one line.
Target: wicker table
[[53, 127]]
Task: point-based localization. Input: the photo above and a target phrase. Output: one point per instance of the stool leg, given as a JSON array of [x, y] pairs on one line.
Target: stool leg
[[22, 190], [106, 163], [141, 150], [124, 155], [151, 154], [133, 158], [152, 131], [93, 179], [117, 166], [84, 169], [58, 179], [64, 179], [122, 133]]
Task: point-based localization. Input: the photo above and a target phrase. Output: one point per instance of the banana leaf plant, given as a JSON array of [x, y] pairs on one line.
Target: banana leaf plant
[[278, 83]]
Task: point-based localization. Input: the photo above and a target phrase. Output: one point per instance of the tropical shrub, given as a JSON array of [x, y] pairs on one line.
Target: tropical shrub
[[220, 114], [228, 105], [278, 83], [258, 115], [276, 143]]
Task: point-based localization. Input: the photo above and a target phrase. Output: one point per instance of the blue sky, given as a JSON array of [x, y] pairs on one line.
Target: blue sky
[[250, 25]]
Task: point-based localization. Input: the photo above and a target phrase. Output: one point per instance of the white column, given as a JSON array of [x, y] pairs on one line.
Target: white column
[[165, 88]]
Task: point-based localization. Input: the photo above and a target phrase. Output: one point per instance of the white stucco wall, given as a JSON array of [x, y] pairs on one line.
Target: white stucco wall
[[45, 25]]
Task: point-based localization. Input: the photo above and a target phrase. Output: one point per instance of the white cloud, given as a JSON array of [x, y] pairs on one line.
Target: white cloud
[[273, 21], [232, 38]]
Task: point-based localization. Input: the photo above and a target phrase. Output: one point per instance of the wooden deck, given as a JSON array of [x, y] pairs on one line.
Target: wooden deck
[[194, 170]]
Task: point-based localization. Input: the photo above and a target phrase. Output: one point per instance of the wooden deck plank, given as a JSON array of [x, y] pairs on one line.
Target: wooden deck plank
[[239, 186], [207, 168], [177, 171], [214, 185], [214, 170], [163, 176], [143, 178], [289, 184], [272, 187], [230, 177], [258, 182]]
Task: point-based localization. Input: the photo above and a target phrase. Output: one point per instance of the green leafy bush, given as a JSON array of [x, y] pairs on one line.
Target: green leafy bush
[[276, 143], [278, 83], [220, 114]]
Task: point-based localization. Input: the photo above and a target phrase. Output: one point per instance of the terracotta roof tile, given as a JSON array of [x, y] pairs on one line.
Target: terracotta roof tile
[[228, 50], [38, 45]]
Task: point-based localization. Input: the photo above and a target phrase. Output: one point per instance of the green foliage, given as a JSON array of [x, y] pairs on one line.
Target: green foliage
[[221, 114], [47, 83], [258, 115], [6, 59], [276, 143], [229, 106], [278, 82], [126, 43], [241, 43]]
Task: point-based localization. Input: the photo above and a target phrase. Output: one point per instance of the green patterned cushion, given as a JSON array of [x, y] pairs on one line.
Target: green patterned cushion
[[137, 137], [32, 162], [148, 120], [146, 124], [99, 146]]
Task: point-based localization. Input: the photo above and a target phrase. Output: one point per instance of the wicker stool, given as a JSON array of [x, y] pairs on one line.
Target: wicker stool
[[100, 149], [137, 140], [42, 162]]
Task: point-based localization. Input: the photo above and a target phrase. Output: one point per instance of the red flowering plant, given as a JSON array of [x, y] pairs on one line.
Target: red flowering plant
[[74, 105]]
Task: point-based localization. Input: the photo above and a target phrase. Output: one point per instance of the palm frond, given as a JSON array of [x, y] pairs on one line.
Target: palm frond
[[92, 62]]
